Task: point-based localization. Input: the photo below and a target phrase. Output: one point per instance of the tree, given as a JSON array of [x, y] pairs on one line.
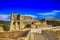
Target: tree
[[6, 27]]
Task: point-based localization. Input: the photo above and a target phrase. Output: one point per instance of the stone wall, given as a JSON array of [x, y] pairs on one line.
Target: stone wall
[[18, 22]]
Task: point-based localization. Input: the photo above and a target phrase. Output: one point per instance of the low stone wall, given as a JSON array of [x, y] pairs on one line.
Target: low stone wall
[[49, 35]]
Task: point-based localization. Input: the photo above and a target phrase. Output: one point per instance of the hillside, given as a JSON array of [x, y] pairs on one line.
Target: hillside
[[13, 35], [4, 22]]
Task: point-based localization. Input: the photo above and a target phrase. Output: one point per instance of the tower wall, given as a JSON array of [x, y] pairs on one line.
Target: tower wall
[[15, 24]]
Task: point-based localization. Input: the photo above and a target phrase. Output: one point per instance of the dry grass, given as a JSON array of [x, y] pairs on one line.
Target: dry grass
[[12, 35]]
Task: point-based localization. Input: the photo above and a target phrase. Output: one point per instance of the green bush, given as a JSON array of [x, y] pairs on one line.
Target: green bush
[[6, 27]]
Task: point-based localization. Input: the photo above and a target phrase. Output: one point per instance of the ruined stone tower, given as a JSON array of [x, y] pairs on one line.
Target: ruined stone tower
[[15, 22], [18, 21]]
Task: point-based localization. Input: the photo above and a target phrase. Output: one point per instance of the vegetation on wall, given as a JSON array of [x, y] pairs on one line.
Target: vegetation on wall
[[28, 26]]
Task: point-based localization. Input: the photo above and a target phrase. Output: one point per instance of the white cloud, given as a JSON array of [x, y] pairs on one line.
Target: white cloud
[[46, 13], [7, 17], [30, 15], [49, 14], [56, 11], [4, 17]]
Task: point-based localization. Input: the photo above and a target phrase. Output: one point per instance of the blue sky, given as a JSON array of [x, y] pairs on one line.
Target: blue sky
[[35, 8]]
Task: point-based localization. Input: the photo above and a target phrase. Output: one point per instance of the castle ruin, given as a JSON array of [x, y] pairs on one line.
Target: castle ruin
[[18, 21]]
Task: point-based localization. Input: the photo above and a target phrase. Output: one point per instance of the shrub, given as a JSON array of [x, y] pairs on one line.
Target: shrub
[[6, 27]]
